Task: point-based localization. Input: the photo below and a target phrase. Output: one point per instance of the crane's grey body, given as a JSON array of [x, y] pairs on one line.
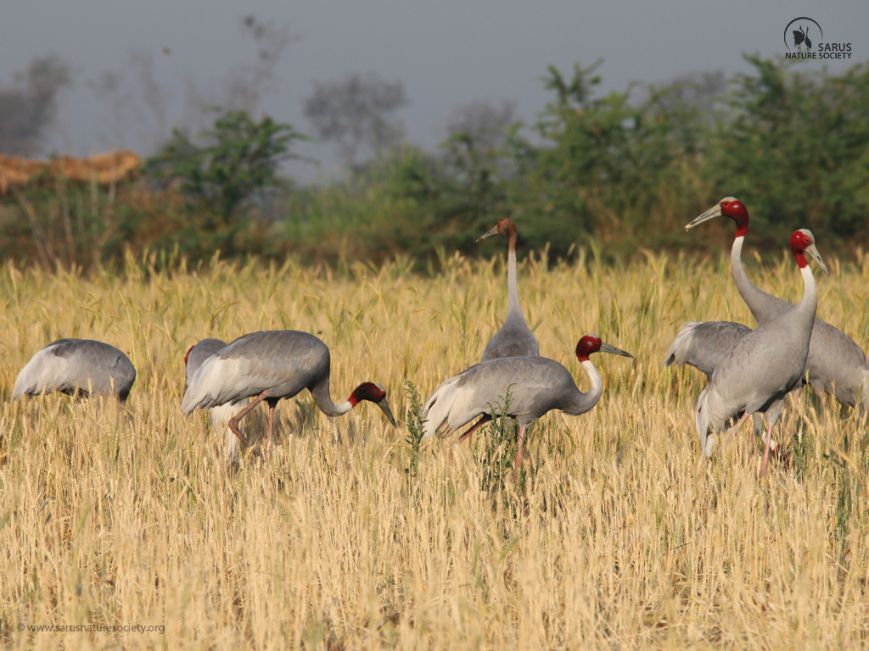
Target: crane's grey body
[[535, 385], [514, 339], [759, 370], [704, 345], [835, 363], [279, 363], [77, 366]]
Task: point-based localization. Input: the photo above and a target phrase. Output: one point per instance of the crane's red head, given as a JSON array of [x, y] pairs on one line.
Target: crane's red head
[[367, 391], [728, 207], [587, 345], [736, 210], [187, 354], [372, 392], [504, 226], [803, 242]]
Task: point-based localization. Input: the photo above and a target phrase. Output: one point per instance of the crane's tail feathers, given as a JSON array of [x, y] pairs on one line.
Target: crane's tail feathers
[[701, 420], [681, 344], [436, 411]]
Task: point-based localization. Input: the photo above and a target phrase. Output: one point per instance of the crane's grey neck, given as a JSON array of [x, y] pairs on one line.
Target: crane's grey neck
[[513, 308], [323, 398], [755, 298], [583, 402]]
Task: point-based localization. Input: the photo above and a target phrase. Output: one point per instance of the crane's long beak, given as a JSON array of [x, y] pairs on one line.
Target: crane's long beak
[[812, 250], [384, 405], [712, 213], [489, 233], [606, 348]]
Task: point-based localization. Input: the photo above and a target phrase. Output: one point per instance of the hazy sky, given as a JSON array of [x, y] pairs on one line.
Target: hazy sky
[[446, 52]]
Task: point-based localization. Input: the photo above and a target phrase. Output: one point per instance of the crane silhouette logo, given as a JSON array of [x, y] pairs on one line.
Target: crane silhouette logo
[[801, 32]]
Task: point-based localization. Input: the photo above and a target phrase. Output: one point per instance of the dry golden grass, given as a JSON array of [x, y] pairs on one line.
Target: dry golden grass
[[621, 537]]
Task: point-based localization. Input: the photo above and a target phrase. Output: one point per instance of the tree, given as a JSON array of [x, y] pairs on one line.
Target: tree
[[236, 158], [357, 112], [29, 105]]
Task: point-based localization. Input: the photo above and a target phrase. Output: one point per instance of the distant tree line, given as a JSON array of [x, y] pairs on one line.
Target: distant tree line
[[619, 171]]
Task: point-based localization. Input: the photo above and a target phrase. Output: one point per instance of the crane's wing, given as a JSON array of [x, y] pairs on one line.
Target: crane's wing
[[282, 361], [704, 345], [197, 354]]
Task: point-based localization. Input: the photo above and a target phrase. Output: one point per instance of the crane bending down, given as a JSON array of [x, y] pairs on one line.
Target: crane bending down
[[270, 366], [80, 367], [515, 338], [764, 365], [703, 345], [836, 364], [535, 385], [220, 415]]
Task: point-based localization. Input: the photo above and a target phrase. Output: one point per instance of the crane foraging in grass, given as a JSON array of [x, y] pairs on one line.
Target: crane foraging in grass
[[80, 367], [765, 364], [515, 338], [220, 415], [269, 366], [535, 385], [836, 364]]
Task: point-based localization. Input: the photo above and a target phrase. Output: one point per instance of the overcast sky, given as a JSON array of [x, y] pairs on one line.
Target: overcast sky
[[446, 52]]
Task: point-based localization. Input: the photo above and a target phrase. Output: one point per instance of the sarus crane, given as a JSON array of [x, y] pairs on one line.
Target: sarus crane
[[535, 385], [269, 366]]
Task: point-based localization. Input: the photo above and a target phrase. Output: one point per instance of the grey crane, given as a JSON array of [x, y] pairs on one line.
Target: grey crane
[[272, 365], [535, 385], [764, 365], [220, 415], [836, 364], [515, 338], [80, 367]]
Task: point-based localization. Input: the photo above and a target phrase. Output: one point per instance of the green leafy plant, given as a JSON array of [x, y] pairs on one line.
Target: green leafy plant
[[227, 165]]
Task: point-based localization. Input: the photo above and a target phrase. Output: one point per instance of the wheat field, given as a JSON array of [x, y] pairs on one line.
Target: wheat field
[[619, 535]]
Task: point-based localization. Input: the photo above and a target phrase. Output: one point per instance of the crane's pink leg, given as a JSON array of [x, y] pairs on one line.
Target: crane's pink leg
[[763, 463], [271, 421], [485, 418], [519, 453], [233, 422]]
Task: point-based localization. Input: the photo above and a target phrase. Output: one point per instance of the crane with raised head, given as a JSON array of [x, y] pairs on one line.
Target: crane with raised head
[[765, 364], [80, 367], [836, 364], [270, 366], [515, 338], [535, 385]]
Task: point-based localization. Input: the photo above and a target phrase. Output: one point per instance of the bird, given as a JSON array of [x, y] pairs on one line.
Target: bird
[[764, 365], [836, 364], [515, 338], [272, 365], [535, 385], [220, 415], [78, 367]]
